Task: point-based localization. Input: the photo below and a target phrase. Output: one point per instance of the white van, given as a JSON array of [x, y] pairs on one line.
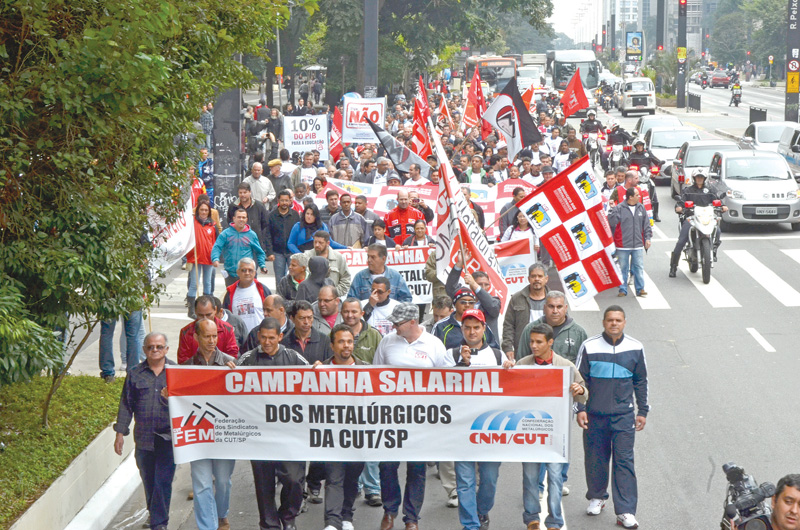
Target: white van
[[636, 94]]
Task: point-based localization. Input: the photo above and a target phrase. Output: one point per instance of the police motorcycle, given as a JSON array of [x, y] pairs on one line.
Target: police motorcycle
[[704, 224], [593, 138]]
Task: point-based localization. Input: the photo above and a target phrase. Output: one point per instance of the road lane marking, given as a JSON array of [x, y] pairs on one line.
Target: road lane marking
[[654, 298], [762, 274], [713, 291], [660, 233], [761, 340], [793, 253]]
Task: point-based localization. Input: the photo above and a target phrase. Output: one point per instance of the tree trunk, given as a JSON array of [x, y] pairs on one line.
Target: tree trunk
[[59, 377]]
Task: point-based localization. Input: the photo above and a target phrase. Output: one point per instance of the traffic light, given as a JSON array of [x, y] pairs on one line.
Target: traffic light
[[660, 48], [681, 8], [707, 35], [748, 53], [703, 54]]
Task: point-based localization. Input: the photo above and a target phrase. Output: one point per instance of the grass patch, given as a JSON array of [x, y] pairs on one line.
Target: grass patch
[[34, 457]]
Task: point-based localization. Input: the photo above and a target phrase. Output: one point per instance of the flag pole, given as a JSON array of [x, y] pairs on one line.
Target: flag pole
[[451, 213]]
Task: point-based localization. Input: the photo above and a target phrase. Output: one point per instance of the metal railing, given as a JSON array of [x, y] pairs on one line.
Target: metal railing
[[693, 102]]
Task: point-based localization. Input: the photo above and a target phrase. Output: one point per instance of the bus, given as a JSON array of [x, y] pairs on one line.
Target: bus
[[496, 72], [561, 64]]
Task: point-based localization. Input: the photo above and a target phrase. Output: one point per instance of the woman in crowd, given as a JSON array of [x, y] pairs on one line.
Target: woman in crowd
[[521, 229], [420, 237], [319, 184], [379, 235], [301, 237], [200, 257]]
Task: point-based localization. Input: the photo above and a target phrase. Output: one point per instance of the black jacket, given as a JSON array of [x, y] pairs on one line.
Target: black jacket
[[278, 229], [318, 347]]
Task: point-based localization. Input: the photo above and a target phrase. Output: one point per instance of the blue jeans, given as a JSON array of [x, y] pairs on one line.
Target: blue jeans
[[471, 505], [370, 479], [208, 279], [631, 259], [133, 339], [564, 469], [210, 505], [157, 468], [280, 266], [414, 491], [530, 494]]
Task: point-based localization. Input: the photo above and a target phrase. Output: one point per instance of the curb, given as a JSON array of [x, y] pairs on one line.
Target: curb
[[725, 134], [80, 482], [104, 504]]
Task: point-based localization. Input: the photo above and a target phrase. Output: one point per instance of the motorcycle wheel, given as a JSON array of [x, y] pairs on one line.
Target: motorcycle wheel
[[736, 103], [705, 256], [692, 259]]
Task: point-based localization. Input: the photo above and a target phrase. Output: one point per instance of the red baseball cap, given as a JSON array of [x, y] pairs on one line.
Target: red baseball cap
[[473, 313]]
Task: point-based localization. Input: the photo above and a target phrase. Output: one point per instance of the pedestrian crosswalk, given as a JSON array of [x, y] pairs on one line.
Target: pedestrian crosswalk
[[721, 291]]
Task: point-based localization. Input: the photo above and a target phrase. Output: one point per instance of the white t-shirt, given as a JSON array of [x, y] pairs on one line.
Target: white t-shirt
[[425, 352], [379, 319], [308, 174], [247, 305], [421, 182], [380, 179], [287, 168], [485, 357]]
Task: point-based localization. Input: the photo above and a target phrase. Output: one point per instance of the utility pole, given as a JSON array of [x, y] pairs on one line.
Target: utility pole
[[370, 48], [660, 14], [682, 54], [792, 64], [613, 37]]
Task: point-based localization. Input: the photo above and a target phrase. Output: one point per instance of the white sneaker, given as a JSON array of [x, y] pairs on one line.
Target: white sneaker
[[564, 490], [627, 520], [347, 525], [452, 502], [595, 506], [329, 527]]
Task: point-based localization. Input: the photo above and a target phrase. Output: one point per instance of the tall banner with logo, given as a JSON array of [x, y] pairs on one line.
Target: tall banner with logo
[[358, 414], [567, 215], [355, 128]]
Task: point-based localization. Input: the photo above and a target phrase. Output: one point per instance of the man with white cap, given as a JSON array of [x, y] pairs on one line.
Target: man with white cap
[[408, 346]]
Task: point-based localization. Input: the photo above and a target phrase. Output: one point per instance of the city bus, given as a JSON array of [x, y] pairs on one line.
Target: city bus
[[561, 64], [496, 72]]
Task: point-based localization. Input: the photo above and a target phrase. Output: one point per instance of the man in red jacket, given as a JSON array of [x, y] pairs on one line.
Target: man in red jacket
[[245, 298], [226, 341], [400, 221]]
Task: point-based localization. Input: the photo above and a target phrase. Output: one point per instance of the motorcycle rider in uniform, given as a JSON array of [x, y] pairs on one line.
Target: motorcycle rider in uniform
[[591, 124], [642, 157], [617, 136], [702, 195]]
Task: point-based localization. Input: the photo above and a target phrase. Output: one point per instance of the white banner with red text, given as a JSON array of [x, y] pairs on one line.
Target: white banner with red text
[[410, 263], [171, 241], [358, 414]]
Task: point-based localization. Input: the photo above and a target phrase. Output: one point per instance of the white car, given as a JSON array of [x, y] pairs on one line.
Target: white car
[[664, 143], [637, 94], [764, 135], [693, 155], [645, 123]]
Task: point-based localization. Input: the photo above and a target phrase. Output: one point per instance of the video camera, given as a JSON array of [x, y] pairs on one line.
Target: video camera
[[746, 503]]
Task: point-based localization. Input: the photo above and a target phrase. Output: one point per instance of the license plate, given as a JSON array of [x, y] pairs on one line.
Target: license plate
[[766, 211]]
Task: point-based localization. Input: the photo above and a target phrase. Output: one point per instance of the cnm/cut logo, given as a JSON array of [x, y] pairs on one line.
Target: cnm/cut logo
[[512, 427]]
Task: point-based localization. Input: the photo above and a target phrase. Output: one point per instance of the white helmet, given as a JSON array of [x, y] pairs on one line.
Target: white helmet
[[699, 172], [591, 112]]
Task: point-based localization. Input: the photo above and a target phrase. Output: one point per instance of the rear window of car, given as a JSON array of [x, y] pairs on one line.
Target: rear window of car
[[701, 156]]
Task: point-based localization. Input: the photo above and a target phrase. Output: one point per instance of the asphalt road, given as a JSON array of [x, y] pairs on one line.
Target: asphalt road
[[723, 369]]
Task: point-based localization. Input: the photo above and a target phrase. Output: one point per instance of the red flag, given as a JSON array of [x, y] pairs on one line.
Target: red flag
[[527, 96], [420, 143], [443, 117], [336, 136], [574, 98], [476, 106]]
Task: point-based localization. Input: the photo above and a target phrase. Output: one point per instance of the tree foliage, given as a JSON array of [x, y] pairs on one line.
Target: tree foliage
[[758, 26], [93, 94]]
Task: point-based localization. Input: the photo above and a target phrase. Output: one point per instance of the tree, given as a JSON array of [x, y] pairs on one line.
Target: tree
[[728, 42], [93, 94]]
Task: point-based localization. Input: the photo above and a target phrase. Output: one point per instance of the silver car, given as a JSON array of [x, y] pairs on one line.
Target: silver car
[[758, 188], [694, 155], [764, 135]]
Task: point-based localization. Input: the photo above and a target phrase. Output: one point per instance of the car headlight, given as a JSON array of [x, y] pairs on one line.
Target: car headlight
[[792, 194], [735, 194]]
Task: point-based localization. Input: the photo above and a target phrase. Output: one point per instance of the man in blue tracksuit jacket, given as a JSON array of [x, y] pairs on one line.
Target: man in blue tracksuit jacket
[[236, 242], [614, 368]]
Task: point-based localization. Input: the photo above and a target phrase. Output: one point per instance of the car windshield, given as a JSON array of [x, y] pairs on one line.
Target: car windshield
[[661, 122], [672, 139], [638, 86], [701, 156], [760, 168], [769, 134]]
